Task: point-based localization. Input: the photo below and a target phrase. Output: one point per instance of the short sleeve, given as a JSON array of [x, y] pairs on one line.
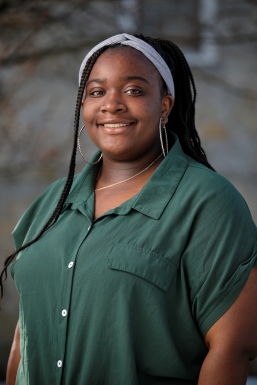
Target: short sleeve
[[221, 251], [36, 216]]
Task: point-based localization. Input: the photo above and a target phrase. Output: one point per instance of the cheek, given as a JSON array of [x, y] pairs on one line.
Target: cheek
[[147, 110], [88, 118], [150, 115], [89, 111]]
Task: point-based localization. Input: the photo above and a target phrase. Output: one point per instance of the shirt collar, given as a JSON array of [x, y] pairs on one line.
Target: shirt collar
[[154, 196], [160, 188]]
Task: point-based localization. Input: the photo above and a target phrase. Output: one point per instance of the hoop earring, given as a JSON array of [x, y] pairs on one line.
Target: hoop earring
[[81, 151], [166, 138]]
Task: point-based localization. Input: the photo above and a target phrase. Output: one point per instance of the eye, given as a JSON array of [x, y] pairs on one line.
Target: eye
[[96, 93], [134, 91]]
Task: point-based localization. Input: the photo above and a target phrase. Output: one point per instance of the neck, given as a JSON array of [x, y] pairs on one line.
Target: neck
[[114, 170]]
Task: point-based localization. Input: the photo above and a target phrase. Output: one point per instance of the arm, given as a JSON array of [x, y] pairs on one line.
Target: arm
[[232, 340], [14, 358]]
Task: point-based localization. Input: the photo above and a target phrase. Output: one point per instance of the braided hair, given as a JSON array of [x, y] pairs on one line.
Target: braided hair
[[181, 122]]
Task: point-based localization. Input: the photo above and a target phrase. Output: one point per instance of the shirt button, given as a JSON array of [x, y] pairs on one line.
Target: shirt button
[[70, 265], [89, 228], [64, 313], [59, 364]]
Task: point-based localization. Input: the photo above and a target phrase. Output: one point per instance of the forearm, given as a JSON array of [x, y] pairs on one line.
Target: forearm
[[224, 368], [14, 359]]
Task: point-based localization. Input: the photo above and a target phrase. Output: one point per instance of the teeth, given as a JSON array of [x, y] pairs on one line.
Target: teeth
[[116, 125]]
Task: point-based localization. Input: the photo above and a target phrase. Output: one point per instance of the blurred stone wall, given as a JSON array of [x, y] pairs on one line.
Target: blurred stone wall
[[41, 51]]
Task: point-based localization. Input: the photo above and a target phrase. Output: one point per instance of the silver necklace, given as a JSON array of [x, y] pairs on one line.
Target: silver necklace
[[125, 180]]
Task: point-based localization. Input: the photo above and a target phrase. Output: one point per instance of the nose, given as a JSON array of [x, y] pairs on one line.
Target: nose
[[113, 103]]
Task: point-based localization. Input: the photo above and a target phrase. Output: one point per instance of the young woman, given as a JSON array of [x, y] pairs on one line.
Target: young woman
[[142, 268]]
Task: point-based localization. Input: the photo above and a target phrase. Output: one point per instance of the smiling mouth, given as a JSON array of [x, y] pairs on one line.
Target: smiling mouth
[[116, 128], [116, 125]]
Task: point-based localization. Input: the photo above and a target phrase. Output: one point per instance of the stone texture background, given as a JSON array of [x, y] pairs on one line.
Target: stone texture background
[[40, 54]]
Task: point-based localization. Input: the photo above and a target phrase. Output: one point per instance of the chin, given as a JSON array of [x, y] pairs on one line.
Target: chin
[[120, 153], [117, 147]]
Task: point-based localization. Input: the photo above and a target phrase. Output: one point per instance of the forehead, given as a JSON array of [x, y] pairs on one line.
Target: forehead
[[123, 60]]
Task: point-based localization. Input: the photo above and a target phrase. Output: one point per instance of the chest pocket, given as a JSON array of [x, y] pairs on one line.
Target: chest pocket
[[144, 264]]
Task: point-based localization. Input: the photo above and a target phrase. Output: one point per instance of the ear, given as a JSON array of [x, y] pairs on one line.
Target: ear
[[167, 104]]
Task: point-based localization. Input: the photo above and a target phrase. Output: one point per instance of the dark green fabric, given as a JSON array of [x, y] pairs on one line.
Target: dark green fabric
[[149, 278]]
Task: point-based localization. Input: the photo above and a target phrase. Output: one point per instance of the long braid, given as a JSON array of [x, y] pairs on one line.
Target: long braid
[[57, 211], [182, 116]]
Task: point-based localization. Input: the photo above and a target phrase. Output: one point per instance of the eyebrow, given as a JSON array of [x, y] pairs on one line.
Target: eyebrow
[[96, 81], [126, 78]]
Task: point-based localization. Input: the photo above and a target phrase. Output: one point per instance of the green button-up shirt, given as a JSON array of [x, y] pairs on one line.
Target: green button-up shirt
[[127, 299]]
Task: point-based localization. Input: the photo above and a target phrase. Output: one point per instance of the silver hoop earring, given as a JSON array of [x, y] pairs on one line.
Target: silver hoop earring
[[166, 138], [81, 151]]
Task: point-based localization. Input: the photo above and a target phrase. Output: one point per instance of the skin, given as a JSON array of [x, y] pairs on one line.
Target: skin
[[232, 340], [14, 358]]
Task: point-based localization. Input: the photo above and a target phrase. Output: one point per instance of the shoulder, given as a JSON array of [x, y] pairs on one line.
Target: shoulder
[[216, 205], [200, 176], [38, 213], [47, 199], [213, 209], [210, 192], [50, 193], [50, 196]]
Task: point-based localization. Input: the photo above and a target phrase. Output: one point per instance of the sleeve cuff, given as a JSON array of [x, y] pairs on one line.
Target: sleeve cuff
[[235, 287]]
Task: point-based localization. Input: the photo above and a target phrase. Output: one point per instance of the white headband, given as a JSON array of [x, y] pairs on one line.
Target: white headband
[[140, 45]]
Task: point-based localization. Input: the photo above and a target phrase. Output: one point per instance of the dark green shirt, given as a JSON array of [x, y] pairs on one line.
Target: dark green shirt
[[127, 299]]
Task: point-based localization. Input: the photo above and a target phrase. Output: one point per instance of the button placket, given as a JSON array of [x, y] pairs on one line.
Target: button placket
[[63, 310]]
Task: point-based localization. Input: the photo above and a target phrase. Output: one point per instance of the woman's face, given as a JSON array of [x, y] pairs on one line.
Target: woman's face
[[123, 104]]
